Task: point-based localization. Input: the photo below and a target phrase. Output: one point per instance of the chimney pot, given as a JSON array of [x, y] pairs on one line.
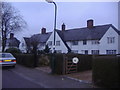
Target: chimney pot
[[63, 27], [43, 30], [90, 23], [11, 35]]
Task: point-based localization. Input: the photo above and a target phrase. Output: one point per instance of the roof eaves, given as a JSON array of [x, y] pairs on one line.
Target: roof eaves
[[62, 38]]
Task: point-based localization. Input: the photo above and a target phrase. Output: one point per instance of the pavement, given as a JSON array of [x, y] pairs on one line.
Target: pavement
[[48, 80]]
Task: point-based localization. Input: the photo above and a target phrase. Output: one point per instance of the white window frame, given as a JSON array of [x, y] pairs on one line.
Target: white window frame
[[74, 43], [49, 43], [94, 42], [57, 43], [58, 51], [84, 42], [74, 51], [111, 51], [95, 52], [110, 40]]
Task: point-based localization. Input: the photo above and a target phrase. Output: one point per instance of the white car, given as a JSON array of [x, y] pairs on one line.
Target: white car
[[7, 59]]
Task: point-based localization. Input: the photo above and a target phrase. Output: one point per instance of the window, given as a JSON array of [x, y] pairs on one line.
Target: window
[[84, 42], [110, 51], [22, 44], [95, 51], [58, 51], [110, 40], [49, 43], [74, 42], [85, 51], [95, 42], [57, 43], [75, 51]]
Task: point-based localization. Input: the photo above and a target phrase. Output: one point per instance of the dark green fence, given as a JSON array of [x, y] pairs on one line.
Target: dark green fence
[[59, 63]]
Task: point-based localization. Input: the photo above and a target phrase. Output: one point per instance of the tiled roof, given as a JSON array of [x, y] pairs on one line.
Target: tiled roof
[[94, 33], [42, 38], [13, 42]]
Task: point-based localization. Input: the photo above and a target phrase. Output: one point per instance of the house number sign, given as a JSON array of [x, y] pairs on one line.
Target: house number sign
[[75, 60]]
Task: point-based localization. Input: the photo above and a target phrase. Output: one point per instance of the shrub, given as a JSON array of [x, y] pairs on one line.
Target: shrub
[[43, 60], [13, 50]]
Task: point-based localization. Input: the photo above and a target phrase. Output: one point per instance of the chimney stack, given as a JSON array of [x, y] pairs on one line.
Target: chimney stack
[[43, 31], [11, 35], [63, 27], [90, 23]]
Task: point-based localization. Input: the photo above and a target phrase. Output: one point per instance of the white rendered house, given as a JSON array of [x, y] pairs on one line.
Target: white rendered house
[[101, 39], [23, 45], [40, 39]]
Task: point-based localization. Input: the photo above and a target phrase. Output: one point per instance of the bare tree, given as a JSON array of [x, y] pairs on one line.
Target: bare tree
[[10, 21]]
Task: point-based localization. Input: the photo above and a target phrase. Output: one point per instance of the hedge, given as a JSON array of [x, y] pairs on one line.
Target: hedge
[[25, 59], [106, 71]]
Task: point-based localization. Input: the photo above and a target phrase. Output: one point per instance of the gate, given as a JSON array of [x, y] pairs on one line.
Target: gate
[[70, 67]]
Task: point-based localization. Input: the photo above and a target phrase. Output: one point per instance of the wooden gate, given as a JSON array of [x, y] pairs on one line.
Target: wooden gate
[[70, 67]]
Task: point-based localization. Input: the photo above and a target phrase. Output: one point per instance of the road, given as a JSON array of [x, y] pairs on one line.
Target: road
[[23, 77], [13, 80]]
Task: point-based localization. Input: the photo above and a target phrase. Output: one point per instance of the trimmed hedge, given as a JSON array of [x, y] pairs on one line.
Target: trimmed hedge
[[25, 59], [13, 50], [106, 71]]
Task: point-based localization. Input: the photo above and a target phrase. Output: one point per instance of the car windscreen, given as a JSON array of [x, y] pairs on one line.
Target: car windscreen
[[4, 55]]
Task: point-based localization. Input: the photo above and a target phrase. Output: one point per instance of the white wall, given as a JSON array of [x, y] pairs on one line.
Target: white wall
[[23, 48], [41, 46], [80, 47], [119, 44], [119, 15], [103, 42], [102, 47], [57, 38]]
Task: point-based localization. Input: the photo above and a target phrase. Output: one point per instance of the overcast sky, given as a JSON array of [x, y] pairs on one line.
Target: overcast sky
[[73, 14]]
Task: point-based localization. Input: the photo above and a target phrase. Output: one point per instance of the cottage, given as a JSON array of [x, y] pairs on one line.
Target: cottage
[[12, 42], [101, 39], [39, 39]]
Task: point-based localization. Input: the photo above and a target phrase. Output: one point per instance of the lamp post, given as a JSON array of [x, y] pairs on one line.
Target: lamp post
[[53, 58], [51, 1]]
